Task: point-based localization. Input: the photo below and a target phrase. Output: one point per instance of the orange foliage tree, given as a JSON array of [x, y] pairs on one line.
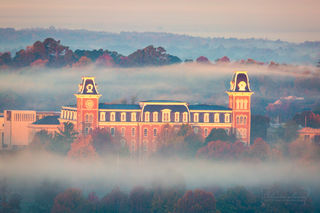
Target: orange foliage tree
[[69, 201], [82, 148]]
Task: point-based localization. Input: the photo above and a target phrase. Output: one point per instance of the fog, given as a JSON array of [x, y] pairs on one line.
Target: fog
[[28, 169]]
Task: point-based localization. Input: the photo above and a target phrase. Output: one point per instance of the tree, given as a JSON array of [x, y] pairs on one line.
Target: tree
[[63, 138], [82, 148], [290, 131], [70, 201], [140, 200], [260, 150], [219, 134], [237, 199], [203, 60], [42, 140], [116, 201], [217, 150], [196, 202]]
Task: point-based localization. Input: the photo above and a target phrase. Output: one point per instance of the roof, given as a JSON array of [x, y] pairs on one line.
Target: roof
[[71, 105], [207, 107], [164, 101], [48, 120], [118, 106], [174, 108]]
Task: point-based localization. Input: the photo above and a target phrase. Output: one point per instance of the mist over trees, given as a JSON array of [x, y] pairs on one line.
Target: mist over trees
[[183, 46]]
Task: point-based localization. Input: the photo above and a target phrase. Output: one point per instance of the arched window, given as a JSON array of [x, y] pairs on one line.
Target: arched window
[[196, 117], [185, 117], [145, 132], [133, 131], [241, 119], [205, 132], [123, 131], [166, 115], [133, 116], [112, 131], [237, 102], [241, 104], [154, 132], [147, 116], [245, 119], [155, 116], [102, 116], [206, 117], [238, 120], [227, 118], [245, 102], [176, 117], [123, 116], [216, 117], [112, 116]]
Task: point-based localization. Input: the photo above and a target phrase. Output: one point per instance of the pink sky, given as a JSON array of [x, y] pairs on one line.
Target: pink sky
[[294, 20]]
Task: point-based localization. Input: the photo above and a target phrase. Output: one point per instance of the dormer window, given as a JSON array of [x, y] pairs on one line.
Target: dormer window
[[123, 116], [206, 117], [196, 117], [216, 117], [133, 116], [102, 116], [147, 116], [176, 117], [185, 117], [227, 118], [155, 116], [166, 115], [112, 116]]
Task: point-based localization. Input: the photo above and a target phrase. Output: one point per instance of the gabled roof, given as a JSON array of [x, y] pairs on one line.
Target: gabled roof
[[48, 120], [118, 106], [207, 107]]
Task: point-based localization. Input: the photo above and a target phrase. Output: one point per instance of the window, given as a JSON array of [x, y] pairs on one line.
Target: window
[[154, 132], [123, 116], [75, 115], [185, 117], [241, 120], [68, 115], [64, 114], [147, 116], [216, 117], [241, 103], [145, 132], [238, 120], [123, 131], [245, 119], [112, 116], [205, 132], [133, 131], [245, 103], [238, 104], [102, 116], [133, 116], [196, 117], [176, 117], [206, 117], [166, 115], [112, 131], [155, 117], [226, 118]]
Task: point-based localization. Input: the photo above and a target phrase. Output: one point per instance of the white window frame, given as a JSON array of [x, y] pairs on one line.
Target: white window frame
[[123, 116], [133, 116], [196, 117], [176, 116], [216, 117], [155, 116], [112, 116], [206, 117]]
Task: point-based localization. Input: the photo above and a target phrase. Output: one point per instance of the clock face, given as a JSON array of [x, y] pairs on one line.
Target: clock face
[[89, 104], [242, 86]]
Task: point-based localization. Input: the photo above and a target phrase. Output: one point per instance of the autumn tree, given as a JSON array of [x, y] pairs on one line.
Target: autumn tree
[[114, 202], [260, 150], [196, 201], [259, 126], [82, 148], [69, 201], [203, 60], [42, 140]]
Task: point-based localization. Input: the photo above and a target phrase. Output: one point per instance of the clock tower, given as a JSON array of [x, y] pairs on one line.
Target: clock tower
[[87, 105], [240, 103]]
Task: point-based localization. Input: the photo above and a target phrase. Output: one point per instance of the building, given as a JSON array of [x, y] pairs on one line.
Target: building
[[310, 134], [138, 125]]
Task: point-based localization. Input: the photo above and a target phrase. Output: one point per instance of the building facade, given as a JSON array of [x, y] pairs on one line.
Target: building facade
[[139, 125]]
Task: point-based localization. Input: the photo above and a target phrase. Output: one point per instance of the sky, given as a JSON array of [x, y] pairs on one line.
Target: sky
[[292, 20]]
